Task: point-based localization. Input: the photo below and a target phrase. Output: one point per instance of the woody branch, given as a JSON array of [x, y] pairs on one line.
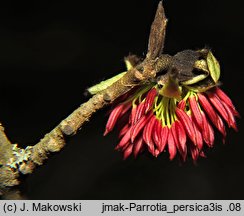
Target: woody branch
[[14, 160]]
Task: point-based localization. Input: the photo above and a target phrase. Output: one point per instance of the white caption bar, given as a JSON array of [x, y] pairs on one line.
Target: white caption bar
[[122, 207]]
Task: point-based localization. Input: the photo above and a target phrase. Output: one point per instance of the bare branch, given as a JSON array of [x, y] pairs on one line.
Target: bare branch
[[14, 160], [157, 33], [55, 140]]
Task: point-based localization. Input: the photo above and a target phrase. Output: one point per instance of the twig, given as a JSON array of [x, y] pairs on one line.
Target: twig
[[14, 160]]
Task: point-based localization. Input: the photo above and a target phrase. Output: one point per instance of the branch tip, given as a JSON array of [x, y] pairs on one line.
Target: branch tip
[[157, 33]]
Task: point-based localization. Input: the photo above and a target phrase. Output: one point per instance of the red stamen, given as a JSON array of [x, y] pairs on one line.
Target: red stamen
[[171, 145], [164, 137], [150, 99], [186, 122], [148, 131], [196, 113], [138, 146], [139, 126], [113, 117], [128, 151]]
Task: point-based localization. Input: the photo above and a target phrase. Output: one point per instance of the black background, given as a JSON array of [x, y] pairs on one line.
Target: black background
[[50, 52]]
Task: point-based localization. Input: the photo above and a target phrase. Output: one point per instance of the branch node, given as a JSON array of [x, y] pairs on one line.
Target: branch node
[[67, 129], [56, 141], [138, 75], [107, 97]]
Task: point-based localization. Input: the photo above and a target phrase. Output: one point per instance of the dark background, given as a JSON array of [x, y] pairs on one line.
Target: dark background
[[51, 52]]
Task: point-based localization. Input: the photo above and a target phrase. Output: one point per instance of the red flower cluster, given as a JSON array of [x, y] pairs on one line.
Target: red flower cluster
[[157, 123]]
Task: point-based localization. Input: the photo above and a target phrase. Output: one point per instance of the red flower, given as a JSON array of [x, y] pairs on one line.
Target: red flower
[[158, 124]]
